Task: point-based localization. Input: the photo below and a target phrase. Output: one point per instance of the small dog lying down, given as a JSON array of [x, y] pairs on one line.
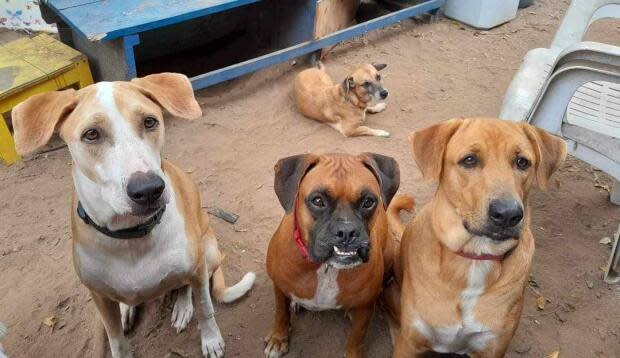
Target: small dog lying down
[[342, 106]]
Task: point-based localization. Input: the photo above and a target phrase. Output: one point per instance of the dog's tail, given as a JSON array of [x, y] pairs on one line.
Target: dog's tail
[[320, 65], [232, 293], [400, 202]]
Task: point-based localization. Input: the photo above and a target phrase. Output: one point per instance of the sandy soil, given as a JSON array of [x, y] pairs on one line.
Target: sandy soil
[[435, 71]]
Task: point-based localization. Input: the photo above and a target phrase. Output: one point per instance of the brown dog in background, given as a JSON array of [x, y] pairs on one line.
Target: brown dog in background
[[465, 258], [332, 248], [342, 106]]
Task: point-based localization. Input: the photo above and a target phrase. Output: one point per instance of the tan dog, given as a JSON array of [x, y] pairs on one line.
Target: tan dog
[[465, 258], [342, 106], [137, 226], [331, 250]]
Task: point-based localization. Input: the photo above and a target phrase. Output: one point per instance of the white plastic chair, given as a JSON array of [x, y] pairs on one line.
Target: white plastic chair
[[572, 89]]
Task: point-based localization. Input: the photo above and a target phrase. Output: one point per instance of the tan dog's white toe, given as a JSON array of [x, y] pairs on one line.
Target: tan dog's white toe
[[213, 345], [183, 309], [276, 348], [377, 108], [128, 316]]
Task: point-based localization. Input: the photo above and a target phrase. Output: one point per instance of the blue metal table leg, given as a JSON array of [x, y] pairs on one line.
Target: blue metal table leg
[[130, 60]]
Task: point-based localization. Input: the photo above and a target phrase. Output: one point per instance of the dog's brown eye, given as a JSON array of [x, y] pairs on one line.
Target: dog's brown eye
[[90, 135], [522, 163], [150, 122], [366, 84], [318, 202], [469, 161], [368, 203]]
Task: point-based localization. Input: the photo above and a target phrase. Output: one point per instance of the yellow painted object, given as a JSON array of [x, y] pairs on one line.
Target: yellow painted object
[[35, 65]]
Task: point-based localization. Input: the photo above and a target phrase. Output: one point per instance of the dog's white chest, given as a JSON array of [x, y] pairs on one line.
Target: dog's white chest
[[136, 270], [326, 294], [468, 335]]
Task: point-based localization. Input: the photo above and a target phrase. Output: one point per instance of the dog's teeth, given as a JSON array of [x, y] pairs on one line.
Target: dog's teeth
[[343, 253]]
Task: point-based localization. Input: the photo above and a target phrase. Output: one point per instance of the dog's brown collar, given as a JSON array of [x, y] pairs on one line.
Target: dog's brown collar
[[486, 257], [299, 241], [135, 232]]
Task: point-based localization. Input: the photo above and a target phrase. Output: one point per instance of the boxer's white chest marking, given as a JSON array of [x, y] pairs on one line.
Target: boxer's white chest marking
[[326, 294], [136, 270], [468, 335]]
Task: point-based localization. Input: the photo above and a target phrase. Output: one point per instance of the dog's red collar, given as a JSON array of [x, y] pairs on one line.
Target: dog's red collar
[[497, 258], [297, 234]]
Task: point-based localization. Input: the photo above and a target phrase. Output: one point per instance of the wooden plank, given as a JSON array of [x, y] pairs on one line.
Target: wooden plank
[[334, 15], [16, 74], [64, 4], [45, 53], [230, 72], [112, 19], [29, 61]]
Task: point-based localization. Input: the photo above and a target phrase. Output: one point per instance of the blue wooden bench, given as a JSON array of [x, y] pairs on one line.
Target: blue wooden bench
[[108, 30]]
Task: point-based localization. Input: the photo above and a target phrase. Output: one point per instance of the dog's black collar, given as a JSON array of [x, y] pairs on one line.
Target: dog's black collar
[[125, 234]]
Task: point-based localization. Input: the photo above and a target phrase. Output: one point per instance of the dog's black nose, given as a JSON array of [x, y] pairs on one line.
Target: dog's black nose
[[145, 188], [505, 213], [383, 94], [347, 232]]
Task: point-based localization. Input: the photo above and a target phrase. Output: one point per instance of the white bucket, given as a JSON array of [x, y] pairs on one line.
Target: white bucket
[[482, 14]]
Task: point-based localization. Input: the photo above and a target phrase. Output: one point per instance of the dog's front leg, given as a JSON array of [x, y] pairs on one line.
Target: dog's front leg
[[212, 342], [183, 308], [277, 339], [379, 107], [360, 319], [363, 130], [111, 318]]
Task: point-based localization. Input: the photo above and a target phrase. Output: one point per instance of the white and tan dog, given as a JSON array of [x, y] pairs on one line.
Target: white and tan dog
[[139, 231]]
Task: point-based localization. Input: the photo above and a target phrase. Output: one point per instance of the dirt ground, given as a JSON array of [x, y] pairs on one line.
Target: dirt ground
[[435, 71]]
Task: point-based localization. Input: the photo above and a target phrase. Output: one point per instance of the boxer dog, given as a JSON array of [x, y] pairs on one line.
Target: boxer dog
[[342, 106], [137, 227], [331, 249], [465, 258]]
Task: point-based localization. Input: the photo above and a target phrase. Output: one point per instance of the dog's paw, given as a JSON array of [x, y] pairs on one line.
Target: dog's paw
[[381, 133], [379, 107], [275, 346], [183, 309], [119, 348], [296, 307], [213, 345], [128, 316]]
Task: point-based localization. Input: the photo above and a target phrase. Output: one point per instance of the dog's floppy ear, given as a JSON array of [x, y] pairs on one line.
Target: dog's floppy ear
[[348, 84], [172, 91], [550, 152], [36, 119], [429, 145], [387, 173], [289, 173], [379, 66]]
